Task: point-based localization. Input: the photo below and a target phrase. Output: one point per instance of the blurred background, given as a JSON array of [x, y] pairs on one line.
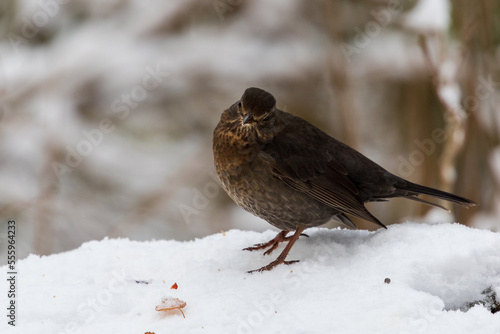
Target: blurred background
[[108, 106]]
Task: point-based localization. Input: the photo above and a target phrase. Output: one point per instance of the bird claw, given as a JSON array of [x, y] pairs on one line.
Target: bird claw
[[256, 247], [281, 258], [270, 250], [273, 243], [271, 266]]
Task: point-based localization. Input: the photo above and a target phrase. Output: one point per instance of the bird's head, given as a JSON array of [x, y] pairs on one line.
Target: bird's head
[[256, 108], [254, 118]]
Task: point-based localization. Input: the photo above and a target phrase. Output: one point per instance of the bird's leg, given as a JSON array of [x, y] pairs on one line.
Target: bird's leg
[[273, 243], [281, 258]]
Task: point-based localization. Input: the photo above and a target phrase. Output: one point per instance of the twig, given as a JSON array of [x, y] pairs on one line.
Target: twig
[[455, 116]]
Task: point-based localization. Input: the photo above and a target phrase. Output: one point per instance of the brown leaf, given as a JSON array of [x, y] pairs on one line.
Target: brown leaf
[[171, 303], [174, 286]]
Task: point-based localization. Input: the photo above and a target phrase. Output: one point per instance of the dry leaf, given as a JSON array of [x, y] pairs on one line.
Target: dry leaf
[[171, 303], [174, 286]]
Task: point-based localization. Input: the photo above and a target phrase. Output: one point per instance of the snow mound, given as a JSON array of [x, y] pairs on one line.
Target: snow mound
[[411, 278]]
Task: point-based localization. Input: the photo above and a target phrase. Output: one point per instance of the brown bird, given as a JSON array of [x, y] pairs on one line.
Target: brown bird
[[293, 175]]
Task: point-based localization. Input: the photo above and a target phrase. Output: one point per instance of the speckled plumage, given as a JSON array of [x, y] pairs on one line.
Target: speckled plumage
[[293, 175], [246, 175]]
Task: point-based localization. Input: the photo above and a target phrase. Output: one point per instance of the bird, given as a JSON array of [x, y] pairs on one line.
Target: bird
[[293, 175]]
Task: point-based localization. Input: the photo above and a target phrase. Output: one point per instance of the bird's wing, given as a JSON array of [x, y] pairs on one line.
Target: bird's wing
[[303, 159]]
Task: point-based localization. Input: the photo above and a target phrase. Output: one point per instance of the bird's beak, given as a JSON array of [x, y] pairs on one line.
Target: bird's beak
[[246, 119]]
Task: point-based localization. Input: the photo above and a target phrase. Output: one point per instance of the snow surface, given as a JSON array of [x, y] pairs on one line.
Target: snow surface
[[338, 286]]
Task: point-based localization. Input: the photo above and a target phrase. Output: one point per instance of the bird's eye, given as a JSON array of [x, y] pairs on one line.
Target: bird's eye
[[266, 118], [239, 105]]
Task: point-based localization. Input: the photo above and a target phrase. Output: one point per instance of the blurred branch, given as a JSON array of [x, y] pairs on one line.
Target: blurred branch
[[444, 79], [44, 235], [339, 75]]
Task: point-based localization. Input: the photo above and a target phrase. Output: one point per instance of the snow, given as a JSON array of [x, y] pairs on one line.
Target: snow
[[437, 273]]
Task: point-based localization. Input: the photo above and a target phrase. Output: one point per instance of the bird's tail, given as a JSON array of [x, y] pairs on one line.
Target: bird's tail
[[411, 191]]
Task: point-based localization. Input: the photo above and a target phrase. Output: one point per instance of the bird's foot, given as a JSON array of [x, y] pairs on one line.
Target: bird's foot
[[281, 258], [272, 265], [273, 243]]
